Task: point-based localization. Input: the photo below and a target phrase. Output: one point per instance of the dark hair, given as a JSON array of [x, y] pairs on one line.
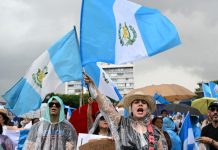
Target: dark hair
[[98, 129], [155, 118], [163, 110], [5, 117], [1, 129]]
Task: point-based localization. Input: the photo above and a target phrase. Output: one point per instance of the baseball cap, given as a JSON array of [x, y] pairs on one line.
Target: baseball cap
[[213, 104]]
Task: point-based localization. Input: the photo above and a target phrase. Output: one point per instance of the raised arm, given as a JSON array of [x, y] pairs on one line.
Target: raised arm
[[89, 114], [104, 104]]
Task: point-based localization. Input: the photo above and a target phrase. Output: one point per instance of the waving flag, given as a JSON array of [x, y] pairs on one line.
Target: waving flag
[[60, 63], [17, 136], [186, 134], [69, 111], [102, 81], [206, 90], [214, 89], [160, 99], [123, 31]]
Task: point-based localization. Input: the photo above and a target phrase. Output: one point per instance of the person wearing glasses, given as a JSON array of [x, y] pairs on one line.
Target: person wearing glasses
[[53, 132], [209, 134], [100, 125]]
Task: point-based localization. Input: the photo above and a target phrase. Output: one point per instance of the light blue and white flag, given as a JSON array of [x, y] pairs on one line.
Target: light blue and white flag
[[17, 136], [69, 111], [214, 89], [186, 134], [160, 99], [123, 31], [102, 81], [206, 90], [60, 63]]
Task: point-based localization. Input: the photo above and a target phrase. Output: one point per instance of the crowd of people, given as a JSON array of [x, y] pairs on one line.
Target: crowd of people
[[141, 130]]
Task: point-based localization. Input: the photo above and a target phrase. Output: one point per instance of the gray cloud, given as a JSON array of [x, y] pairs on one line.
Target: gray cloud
[[29, 27]]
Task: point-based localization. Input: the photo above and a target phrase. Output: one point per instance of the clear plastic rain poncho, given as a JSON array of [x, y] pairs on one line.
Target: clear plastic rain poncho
[[96, 125], [122, 129], [45, 135]]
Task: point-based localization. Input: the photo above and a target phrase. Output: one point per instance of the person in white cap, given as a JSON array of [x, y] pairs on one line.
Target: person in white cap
[[135, 132]]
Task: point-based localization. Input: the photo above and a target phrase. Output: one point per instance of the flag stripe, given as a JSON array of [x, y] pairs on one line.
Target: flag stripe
[[214, 89], [104, 21], [118, 93], [21, 91], [186, 134], [206, 90], [154, 36], [61, 55]]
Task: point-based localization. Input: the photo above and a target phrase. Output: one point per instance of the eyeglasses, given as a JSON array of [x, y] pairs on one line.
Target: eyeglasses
[[56, 104], [213, 109], [101, 118]]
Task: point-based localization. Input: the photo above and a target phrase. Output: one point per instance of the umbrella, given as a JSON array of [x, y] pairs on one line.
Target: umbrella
[[182, 108], [171, 92], [79, 117], [202, 104]]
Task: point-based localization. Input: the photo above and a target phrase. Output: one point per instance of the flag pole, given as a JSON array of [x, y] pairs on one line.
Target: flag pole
[[81, 94]]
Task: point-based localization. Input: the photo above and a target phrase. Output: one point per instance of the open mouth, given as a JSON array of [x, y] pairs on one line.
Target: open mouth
[[140, 110]]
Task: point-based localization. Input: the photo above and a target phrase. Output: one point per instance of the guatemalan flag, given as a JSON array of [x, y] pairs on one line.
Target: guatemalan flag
[[214, 89], [186, 134], [69, 111], [120, 31], [160, 99], [60, 63], [102, 81], [206, 90], [18, 136]]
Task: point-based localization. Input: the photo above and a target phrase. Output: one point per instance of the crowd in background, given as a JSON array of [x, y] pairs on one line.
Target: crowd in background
[[53, 131]]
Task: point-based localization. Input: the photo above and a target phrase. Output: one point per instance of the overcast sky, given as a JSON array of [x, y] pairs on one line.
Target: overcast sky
[[28, 27]]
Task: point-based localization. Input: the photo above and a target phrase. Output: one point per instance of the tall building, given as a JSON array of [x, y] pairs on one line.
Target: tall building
[[121, 75]]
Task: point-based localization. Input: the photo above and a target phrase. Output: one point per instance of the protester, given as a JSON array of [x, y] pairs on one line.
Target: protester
[[53, 132], [209, 134], [195, 128], [100, 126], [5, 142], [135, 132], [4, 120], [178, 121], [158, 122], [169, 126], [164, 113]]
